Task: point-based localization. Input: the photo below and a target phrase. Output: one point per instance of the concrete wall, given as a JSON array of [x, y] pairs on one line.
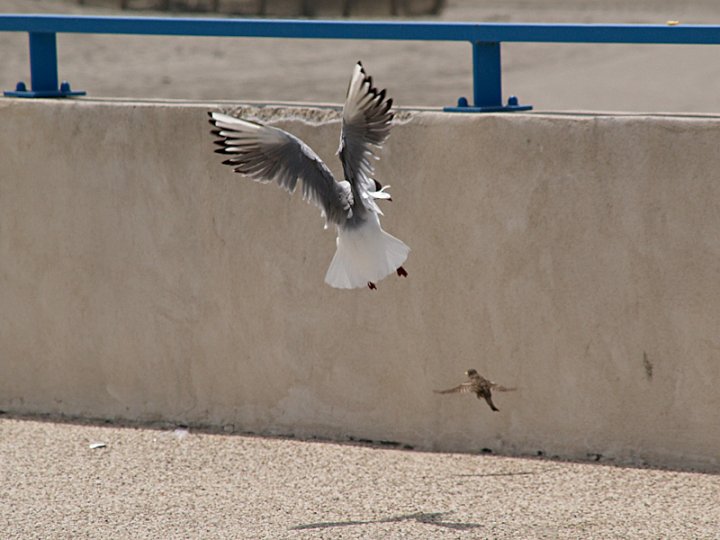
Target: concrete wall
[[576, 257]]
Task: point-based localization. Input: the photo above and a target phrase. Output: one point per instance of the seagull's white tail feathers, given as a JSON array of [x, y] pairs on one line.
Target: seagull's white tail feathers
[[365, 254]]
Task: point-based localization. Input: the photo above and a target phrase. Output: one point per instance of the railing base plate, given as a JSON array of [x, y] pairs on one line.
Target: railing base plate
[[43, 94], [64, 91], [512, 106]]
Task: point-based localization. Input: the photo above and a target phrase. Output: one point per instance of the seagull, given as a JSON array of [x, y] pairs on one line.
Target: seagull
[[478, 385], [365, 252]]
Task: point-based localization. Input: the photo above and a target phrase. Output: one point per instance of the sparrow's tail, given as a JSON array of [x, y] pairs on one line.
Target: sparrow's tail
[[365, 253], [490, 402]]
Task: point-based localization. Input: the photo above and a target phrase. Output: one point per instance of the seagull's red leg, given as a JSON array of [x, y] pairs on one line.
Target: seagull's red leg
[[371, 286], [401, 272]]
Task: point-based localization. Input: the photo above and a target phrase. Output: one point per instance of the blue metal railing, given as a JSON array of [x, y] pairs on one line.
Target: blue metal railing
[[485, 39]]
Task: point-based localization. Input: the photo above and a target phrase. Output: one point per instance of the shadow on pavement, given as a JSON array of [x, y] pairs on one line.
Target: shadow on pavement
[[518, 473], [432, 518]]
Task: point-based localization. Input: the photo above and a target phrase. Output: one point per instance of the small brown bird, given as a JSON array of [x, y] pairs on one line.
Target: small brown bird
[[478, 385]]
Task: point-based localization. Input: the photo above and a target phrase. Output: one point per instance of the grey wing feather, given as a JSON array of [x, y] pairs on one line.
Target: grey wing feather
[[266, 153], [366, 124], [463, 388]]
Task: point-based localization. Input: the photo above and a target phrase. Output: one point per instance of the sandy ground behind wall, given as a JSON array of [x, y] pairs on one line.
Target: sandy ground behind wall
[[646, 78]]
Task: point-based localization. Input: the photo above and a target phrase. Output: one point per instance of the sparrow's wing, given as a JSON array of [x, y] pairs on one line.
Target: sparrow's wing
[[463, 388], [501, 388], [266, 153], [366, 123]]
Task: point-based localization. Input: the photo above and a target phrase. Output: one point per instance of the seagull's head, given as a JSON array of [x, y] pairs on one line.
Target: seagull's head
[[470, 372]]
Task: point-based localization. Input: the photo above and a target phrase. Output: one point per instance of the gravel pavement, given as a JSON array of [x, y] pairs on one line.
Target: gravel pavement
[[179, 483]]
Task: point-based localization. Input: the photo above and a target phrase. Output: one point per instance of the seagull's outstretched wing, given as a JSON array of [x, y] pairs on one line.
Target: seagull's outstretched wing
[[266, 153], [463, 388], [366, 124]]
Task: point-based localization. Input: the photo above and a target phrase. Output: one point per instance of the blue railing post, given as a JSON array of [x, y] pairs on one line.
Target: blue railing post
[[487, 82], [43, 70], [487, 74], [43, 62]]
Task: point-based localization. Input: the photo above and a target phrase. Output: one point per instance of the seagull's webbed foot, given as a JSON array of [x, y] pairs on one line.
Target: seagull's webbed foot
[[401, 272], [371, 286]]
